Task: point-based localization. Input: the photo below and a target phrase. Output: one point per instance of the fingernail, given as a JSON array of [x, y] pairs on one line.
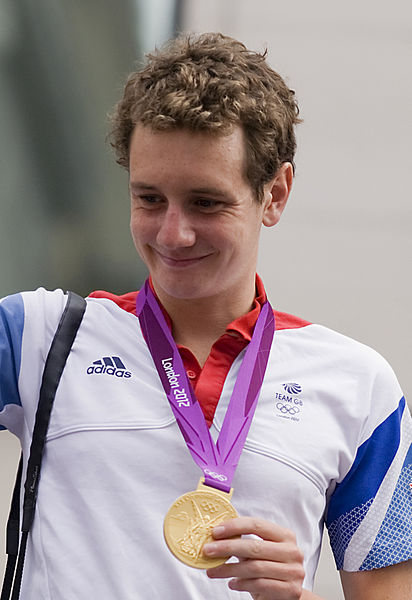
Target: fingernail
[[209, 549], [219, 530]]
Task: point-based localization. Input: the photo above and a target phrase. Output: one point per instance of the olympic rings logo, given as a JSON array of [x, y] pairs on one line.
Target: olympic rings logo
[[286, 408], [214, 475]]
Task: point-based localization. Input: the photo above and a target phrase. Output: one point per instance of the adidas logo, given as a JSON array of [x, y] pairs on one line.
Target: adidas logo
[[109, 366]]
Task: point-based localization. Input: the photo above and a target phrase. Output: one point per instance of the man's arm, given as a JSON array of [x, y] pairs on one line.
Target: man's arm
[[389, 583]]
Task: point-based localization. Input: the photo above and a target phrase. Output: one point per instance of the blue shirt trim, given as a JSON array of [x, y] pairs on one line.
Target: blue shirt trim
[[372, 461], [393, 544], [11, 334]]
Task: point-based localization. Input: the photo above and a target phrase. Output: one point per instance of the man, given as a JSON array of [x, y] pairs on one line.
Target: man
[[317, 422]]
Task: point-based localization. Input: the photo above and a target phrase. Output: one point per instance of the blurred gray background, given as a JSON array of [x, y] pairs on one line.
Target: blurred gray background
[[341, 255]]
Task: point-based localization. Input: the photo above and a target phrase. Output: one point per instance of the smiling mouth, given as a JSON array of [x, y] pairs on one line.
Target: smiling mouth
[[180, 262]]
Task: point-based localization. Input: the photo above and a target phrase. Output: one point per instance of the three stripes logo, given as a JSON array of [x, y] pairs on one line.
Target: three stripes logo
[[109, 365]]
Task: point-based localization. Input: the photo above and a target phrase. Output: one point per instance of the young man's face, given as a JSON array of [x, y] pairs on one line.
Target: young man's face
[[194, 218]]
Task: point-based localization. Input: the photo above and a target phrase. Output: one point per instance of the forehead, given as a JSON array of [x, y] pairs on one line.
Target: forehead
[[184, 151]]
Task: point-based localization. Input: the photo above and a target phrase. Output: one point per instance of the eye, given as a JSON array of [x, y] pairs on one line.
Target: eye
[[150, 199], [207, 204], [147, 200]]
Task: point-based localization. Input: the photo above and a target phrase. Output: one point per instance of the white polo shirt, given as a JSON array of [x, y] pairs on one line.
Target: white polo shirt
[[330, 442]]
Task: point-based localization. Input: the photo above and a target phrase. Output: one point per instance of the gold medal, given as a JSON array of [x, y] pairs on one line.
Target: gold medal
[[189, 522]]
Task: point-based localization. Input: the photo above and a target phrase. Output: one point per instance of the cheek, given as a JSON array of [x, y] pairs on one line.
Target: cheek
[[138, 228], [133, 231], [238, 239], [244, 245]]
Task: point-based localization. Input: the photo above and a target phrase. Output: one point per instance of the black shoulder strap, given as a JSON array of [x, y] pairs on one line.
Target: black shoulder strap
[[53, 369]]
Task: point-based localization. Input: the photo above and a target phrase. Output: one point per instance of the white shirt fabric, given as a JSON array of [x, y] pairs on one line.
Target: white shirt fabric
[[330, 442]]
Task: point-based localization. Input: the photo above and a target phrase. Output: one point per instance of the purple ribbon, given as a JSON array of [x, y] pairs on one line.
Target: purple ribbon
[[217, 461]]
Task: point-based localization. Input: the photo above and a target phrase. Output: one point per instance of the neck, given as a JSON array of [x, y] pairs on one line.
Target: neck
[[198, 323]]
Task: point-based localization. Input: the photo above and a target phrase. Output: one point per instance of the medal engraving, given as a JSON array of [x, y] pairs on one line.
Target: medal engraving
[[189, 522]]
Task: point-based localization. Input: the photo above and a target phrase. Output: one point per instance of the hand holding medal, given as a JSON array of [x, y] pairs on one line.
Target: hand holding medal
[[270, 564], [192, 517]]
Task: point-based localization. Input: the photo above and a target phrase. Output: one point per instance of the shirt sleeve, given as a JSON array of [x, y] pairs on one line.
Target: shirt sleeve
[[369, 514], [28, 322], [11, 334]]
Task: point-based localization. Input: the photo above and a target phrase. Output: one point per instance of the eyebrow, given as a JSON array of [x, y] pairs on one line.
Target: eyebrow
[[209, 191], [141, 185], [212, 191]]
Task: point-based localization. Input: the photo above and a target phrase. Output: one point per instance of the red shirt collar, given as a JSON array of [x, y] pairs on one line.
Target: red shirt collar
[[240, 327]]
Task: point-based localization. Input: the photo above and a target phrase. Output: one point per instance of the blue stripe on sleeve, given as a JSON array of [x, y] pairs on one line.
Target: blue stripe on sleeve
[[372, 461], [353, 498], [393, 544], [11, 333]]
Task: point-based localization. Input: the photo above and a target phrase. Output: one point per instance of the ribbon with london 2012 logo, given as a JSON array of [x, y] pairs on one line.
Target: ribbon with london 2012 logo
[[217, 461]]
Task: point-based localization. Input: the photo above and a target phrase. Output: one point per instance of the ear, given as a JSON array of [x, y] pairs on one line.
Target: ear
[[276, 194]]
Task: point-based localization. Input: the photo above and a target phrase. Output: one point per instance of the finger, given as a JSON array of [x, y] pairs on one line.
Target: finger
[[254, 548], [249, 525], [257, 569], [269, 588]]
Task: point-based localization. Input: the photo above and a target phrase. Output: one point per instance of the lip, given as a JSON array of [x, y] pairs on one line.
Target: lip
[[180, 262]]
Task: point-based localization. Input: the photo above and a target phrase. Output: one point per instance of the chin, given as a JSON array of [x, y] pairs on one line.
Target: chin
[[186, 290]]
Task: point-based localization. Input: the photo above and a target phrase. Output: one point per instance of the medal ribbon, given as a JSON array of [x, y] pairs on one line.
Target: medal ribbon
[[217, 461]]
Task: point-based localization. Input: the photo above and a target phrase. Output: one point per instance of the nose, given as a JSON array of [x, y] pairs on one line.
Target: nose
[[176, 229]]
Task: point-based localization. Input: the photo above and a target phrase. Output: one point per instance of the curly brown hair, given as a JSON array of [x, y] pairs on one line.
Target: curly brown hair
[[211, 82]]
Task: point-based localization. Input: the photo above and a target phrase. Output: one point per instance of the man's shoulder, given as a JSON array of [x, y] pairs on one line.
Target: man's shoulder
[[126, 301], [32, 302], [335, 350]]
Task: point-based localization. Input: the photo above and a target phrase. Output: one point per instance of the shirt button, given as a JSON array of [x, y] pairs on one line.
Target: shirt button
[[191, 374]]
